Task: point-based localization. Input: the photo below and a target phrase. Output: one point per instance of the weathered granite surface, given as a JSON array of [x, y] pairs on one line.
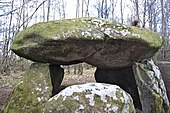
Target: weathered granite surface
[[33, 91], [116, 50], [99, 42], [91, 98]]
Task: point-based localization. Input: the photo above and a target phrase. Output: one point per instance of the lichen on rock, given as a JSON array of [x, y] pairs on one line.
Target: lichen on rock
[[31, 94], [91, 97], [91, 40], [110, 46], [152, 91]]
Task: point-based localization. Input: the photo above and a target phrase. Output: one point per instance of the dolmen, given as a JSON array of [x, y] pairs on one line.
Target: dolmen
[[128, 81]]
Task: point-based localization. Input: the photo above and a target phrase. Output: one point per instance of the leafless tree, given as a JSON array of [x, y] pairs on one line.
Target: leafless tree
[[48, 11], [63, 9], [121, 10], [113, 6], [87, 8], [137, 9], [5, 58], [77, 9], [103, 9]]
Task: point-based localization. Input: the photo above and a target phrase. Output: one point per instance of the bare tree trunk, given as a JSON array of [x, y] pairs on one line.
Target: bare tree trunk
[[36, 14], [150, 13], [5, 59], [112, 7], [163, 19], [82, 10], [54, 10], [12, 55], [102, 9], [48, 10], [144, 14], [87, 8], [163, 30], [63, 10], [106, 9], [137, 9], [98, 9], [44, 12], [154, 21], [23, 13], [77, 9], [26, 16], [121, 11]]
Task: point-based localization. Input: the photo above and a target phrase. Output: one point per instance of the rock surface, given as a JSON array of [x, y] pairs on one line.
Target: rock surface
[[99, 42], [123, 77], [112, 47], [32, 92], [165, 71], [143, 81], [152, 91], [57, 75], [5, 93], [91, 98]]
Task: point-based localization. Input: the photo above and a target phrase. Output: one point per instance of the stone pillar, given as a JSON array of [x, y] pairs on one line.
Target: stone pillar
[[57, 75], [152, 90], [165, 71], [123, 77]]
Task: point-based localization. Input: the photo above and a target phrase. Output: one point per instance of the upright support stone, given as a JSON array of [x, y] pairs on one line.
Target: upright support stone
[[122, 77], [57, 75], [151, 88], [164, 68], [33, 91]]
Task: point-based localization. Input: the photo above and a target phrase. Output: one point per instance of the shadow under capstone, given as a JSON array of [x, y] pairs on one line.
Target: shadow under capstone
[[124, 78], [57, 75]]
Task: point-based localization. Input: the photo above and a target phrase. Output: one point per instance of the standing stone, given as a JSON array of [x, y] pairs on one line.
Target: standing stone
[[56, 74], [33, 91], [151, 88], [123, 77], [165, 71]]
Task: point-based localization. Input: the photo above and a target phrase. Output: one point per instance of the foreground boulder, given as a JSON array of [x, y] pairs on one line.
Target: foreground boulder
[[91, 98], [31, 94], [99, 42]]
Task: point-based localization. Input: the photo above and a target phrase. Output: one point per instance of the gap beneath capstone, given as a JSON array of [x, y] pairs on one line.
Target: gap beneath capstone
[[123, 77]]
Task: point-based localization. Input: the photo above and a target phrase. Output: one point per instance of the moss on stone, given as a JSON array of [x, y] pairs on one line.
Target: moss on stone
[[151, 87], [152, 38], [45, 31], [98, 42], [30, 95], [90, 100]]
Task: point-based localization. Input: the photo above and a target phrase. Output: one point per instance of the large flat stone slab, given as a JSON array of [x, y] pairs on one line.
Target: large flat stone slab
[[99, 42]]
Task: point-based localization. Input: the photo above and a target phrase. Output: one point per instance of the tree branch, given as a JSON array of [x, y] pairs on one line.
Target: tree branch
[[32, 13]]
